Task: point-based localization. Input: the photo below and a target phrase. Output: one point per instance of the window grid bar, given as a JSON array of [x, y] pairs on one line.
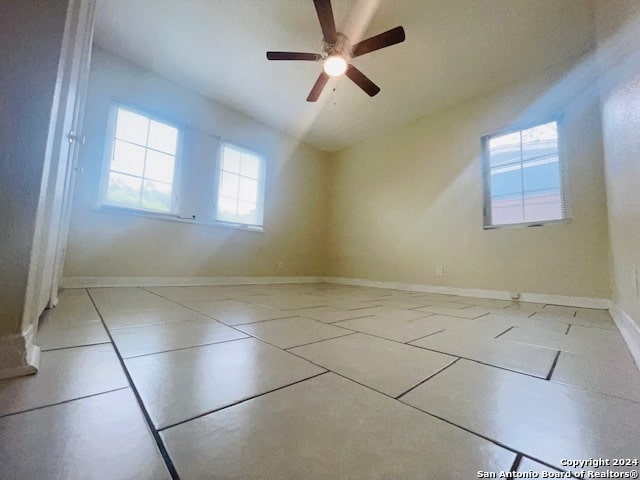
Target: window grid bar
[[532, 159], [239, 174], [145, 146]]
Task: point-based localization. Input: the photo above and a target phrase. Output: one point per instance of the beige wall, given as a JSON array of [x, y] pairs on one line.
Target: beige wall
[[410, 200], [112, 244], [619, 39]]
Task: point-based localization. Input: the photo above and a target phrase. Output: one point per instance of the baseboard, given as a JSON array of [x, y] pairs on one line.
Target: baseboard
[[584, 302], [94, 282], [629, 329], [18, 355]]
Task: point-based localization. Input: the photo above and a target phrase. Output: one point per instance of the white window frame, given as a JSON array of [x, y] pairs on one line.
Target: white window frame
[[261, 187], [562, 165], [108, 155]]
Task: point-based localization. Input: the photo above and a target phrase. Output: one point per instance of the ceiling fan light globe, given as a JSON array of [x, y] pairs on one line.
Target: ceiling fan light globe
[[335, 65]]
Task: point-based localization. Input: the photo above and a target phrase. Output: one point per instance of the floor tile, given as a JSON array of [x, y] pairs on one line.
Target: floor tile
[[193, 294], [74, 308], [471, 312], [542, 419], [250, 314], [213, 307], [182, 384], [388, 367], [493, 351], [528, 465], [51, 336], [152, 317], [560, 310], [399, 331], [607, 344], [506, 320], [327, 314], [524, 307], [291, 332], [136, 341], [72, 323], [63, 375], [328, 427], [111, 301], [614, 377], [103, 437]]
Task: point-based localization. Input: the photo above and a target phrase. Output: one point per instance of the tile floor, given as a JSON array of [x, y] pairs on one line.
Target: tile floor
[[305, 381]]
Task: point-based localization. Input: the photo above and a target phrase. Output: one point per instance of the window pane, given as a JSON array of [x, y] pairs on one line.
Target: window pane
[[124, 190], [543, 207], [227, 208], [159, 166], [156, 196], [248, 190], [524, 174], [128, 158], [504, 150], [229, 185], [163, 137], [231, 159], [132, 127], [250, 166]]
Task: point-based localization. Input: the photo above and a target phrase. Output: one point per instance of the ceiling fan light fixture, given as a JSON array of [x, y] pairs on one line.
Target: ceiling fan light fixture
[[335, 65]]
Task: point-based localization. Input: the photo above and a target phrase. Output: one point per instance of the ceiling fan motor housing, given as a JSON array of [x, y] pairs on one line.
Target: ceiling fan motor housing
[[341, 47]]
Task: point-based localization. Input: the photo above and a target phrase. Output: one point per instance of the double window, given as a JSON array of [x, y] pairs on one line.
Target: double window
[[524, 176], [145, 171]]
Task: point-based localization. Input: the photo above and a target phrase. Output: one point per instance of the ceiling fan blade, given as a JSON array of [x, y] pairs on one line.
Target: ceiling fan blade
[[313, 57], [362, 81], [325, 15], [317, 87], [382, 40]]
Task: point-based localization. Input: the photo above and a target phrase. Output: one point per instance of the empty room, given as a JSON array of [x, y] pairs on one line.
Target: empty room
[[319, 239]]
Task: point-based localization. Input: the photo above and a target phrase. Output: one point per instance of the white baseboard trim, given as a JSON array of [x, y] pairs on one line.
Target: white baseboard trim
[[95, 282], [629, 329], [584, 302], [18, 355]]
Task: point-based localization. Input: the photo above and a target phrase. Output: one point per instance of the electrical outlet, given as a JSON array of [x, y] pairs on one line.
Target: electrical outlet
[[280, 265], [440, 271]]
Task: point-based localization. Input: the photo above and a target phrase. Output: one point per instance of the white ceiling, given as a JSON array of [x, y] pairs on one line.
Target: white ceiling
[[455, 49]]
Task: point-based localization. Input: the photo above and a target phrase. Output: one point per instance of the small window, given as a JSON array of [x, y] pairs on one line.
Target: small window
[[142, 162], [523, 177], [241, 186]]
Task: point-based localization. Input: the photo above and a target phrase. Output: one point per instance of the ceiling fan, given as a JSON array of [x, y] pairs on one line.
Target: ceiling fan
[[337, 51]]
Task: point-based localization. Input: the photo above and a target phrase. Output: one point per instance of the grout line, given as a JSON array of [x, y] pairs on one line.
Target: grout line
[[257, 321], [62, 402], [516, 463], [187, 348], [553, 366], [484, 437], [500, 334], [156, 436], [424, 336], [240, 401], [74, 346], [300, 308], [319, 341], [428, 378], [364, 308], [344, 320], [478, 361]]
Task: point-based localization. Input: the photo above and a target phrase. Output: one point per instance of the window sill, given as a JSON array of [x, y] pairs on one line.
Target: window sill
[[174, 218], [528, 224]]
